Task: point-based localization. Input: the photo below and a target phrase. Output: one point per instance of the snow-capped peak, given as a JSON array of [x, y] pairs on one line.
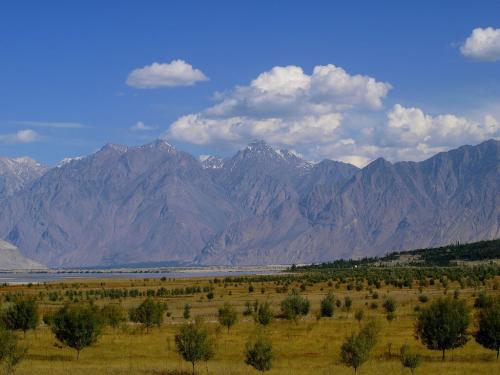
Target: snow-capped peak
[[68, 160], [211, 162]]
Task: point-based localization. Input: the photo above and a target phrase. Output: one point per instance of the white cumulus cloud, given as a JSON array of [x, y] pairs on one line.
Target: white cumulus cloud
[[175, 73], [21, 136], [328, 114], [482, 44], [283, 106], [412, 127]]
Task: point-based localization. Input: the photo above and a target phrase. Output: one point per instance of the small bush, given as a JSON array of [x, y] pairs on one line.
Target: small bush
[[259, 354]]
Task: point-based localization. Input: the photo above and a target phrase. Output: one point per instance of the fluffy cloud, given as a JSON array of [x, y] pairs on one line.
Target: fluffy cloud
[[175, 73], [140, 126], [284, 106], [412, 127], [327, 114], [22, 136], [202, 130], [482, 44]]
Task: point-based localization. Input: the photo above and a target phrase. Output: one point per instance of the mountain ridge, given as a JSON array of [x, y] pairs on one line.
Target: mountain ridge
[[155, 203]]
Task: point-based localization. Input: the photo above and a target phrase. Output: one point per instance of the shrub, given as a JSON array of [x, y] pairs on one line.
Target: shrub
[[389, 305], [443, 325], [228, 316], [193, 343], [113, 315], [359, 315], [326, 308], [357, 348], [248, 309], [10, 352], [390, 308], [347, 303], [187, 311], [264, 315], [149, 313], [482, 300], [259, 354], [294, 306], [409, 359], [423, 298]]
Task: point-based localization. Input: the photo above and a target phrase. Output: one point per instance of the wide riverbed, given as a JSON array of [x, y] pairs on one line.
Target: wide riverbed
[[23, 277]]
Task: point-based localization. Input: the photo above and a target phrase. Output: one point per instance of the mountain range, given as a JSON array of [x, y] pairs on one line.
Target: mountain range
[[155, 203]]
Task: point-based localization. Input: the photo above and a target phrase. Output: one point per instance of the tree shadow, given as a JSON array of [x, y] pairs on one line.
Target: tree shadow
[[50, 357]]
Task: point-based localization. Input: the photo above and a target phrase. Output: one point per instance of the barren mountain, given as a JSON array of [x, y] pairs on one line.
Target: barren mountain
[[119, 205], [453, 196], [154, 203], [17, 173]]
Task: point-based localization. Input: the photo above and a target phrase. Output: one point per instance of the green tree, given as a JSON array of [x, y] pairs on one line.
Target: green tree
[[389, 306], [357, 348], [248, 309], [408, 358], [187, 311], [359, 315], [443, 325], [295, 306], [347, 303], [209, 352], [193, 343], [77, 326], [113, 315], [149, 313], [326, 306], [21, 315], [482, 300], [10, 351], [259, 354], [264, 315], [228, 316], [488, 333]]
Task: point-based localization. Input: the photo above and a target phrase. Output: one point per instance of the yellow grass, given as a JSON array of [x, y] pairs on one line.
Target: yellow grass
[[308, 347]]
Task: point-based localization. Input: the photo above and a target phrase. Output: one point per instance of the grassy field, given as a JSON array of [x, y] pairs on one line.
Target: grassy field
[[310, 346]]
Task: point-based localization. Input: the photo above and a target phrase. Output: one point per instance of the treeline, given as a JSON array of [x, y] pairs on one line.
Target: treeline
[[400, 277], [75, 295], [443, 256]]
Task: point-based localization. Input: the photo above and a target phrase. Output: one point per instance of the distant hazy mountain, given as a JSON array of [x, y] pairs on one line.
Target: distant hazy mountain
[[155, 203], [453, 196], [119, 205], [17, 173], [11, 259]]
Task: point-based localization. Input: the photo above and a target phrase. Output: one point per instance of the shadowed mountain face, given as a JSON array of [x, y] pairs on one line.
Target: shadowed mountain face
[[17, 173], [156, 204]]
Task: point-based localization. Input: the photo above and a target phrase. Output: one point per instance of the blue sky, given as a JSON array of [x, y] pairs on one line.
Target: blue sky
[[393, 79]]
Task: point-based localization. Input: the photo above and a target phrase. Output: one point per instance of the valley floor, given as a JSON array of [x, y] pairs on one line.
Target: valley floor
[[309, 346]]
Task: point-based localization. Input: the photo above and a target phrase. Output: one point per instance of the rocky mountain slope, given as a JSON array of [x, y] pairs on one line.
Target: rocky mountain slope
[[119, 205], [17, 173], [155, 203]]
